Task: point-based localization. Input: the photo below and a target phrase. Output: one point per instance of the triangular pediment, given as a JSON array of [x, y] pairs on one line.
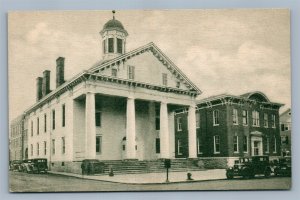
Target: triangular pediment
[[149, 63]]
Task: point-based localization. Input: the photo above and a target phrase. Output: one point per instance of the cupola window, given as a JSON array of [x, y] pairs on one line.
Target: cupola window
[[119, 45], [110, 45]]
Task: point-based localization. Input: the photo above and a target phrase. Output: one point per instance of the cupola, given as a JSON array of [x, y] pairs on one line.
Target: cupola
[[113, 38]]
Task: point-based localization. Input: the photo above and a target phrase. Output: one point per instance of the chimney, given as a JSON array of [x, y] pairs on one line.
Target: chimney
[[46, 83], [60, 71], [39, 83]]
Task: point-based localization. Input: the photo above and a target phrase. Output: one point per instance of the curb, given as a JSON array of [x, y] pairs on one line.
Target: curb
[[111, 181]]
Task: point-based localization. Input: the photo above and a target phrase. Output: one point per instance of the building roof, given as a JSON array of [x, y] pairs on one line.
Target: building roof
[[113, 24], [158, 53], [256, 96]]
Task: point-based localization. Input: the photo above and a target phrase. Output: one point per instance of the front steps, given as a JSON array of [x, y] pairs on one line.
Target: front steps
[[149, 166]]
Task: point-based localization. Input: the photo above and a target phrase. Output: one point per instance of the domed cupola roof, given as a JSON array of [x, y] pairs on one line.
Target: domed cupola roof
[[114, 24]]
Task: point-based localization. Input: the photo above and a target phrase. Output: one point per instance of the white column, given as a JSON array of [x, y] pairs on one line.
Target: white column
[[164, 131], [130, 129], [90, 126], [192, 132]]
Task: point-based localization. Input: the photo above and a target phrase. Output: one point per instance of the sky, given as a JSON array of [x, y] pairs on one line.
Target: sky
[[232, 51]]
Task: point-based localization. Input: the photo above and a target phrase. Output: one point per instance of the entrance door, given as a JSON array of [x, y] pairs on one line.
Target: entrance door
[[256, 148]]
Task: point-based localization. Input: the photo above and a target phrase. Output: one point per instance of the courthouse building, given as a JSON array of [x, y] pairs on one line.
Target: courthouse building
[[122, 108]]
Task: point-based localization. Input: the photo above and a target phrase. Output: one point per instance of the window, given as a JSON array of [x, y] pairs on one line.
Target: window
[[255, 118], [130, 72], [37, 149], [110, 45], [235, 144], [199, 146], [45, 123], [31, 128], [157, 117], [45, 147], [53, 146], [197, 120], [53, 119], [216, 117], [273, 121], [284, 139], [165, 79], [63, 145], [178, 84], [157, 145], [216, 144], [98, 118], [114, 72], [235, 116], [275, 145], [63, 115], [179, 147], [267, 145], [179, 124], [104, 46], [245, 117], [119, 45], [245, 144], [37, 126], [31, 149], [265, 120], [98, 144]]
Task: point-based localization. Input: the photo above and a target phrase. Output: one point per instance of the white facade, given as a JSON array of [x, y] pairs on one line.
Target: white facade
[[112, 110]]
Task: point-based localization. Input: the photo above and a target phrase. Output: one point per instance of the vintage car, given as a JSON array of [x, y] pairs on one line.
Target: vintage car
[[248, 167], [283, 167], [39, 165], [15, 165], [92, 166], [27, 166]]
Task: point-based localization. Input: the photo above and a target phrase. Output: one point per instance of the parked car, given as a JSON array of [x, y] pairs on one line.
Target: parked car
[[15, 165], [92, 166], [283, 166], [248, 167], [39, 165], [27, 166]]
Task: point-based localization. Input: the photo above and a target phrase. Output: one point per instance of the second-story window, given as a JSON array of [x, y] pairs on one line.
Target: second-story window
[[235, 116], [265, 120], [255, 118], [98, 118], [37, 126], [216, 117], [63, 115], [245, 117], [197, 120], [31, 127], [45, 122], [165, 79], [53, 119], [130, 72], [273, 121]]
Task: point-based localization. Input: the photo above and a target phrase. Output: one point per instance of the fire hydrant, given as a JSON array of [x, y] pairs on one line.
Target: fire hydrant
[[111, 171], [189, 176]]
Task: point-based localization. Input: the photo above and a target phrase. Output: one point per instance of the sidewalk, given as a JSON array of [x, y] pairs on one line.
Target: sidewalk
[[150, 178]]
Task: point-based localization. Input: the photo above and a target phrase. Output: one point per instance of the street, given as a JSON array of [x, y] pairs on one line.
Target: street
[[22, 182]]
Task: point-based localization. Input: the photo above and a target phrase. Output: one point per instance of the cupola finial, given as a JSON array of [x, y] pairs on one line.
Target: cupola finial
[[113, 14]]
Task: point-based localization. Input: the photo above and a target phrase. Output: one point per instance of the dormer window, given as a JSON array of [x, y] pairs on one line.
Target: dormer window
[[110, 45], [114, 72], [119, 45], [178, 84]]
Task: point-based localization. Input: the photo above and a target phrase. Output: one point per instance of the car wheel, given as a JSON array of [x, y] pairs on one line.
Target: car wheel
[[229, 175], [267, 173]]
